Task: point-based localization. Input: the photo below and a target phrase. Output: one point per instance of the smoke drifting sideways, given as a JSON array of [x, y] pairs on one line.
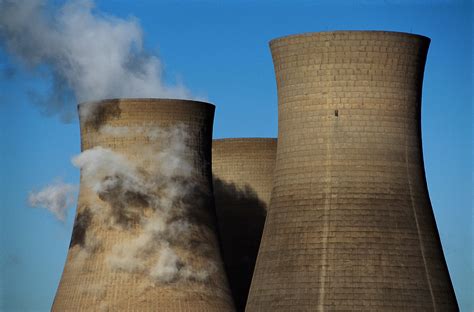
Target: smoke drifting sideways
[[88, 55], [56, 197], [158, 194]]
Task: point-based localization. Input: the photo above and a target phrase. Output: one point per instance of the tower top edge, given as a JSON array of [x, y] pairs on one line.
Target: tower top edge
[[243, 145], [147, 100], [251, 139], [353, 33]]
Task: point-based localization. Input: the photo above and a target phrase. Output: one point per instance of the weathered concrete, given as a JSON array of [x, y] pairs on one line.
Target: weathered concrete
[[139, 130], [350, 226], [242, 169]]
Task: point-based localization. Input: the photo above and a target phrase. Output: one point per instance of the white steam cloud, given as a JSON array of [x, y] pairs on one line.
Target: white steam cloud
[[157, 192], [56, 198], [167, 266], [89, 55]]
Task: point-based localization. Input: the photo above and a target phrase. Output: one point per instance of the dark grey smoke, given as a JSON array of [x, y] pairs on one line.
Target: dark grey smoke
[[88, 55]]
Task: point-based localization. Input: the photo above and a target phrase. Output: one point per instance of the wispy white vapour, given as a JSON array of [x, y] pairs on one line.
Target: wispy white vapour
[[90, 55], [56, 198], [150, 192]]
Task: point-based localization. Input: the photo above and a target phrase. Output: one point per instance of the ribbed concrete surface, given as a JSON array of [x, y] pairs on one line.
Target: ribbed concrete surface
[[350, 226], [88, 283], [242, 169]]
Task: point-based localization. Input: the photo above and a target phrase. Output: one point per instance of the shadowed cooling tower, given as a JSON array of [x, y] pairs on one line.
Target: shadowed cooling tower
[[144, 237], [242, 170], [350, 225]]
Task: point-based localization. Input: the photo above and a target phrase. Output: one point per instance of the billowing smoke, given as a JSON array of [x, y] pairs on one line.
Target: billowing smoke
[[89, 55], [155, 194], [56, 198]]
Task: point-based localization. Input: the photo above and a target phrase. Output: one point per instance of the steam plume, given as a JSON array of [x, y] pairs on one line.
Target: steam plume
[[155, 192], [89, 55], [56, 198]]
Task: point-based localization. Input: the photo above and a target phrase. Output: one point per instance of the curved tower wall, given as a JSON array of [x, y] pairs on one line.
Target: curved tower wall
[[144, 237], [350, 225], [242, 170]]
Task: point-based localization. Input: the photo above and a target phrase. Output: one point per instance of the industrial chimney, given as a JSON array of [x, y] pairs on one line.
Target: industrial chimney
[[242, 170], [350, 224], [144, 237]]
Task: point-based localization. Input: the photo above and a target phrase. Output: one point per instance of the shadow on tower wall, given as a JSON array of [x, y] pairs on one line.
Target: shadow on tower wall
[[81, 224], [240, 216]]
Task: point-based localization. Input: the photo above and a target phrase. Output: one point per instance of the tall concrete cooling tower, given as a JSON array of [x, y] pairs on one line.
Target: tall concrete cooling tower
[[144, 237], [350, 225], [242, 169]]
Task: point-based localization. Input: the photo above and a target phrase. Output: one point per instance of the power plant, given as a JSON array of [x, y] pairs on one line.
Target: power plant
[[144, 237], [350, 225], [337, 210], [242, 171]]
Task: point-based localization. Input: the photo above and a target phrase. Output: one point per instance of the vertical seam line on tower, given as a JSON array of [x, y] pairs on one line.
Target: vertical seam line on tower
[[416, 222], [327, 208]]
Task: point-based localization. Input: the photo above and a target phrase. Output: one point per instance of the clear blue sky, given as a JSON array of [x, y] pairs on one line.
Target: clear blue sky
[[219, 49]]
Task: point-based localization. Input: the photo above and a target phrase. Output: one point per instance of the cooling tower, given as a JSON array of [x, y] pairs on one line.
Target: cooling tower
[[144, 237], [350, 225], [242, 169]]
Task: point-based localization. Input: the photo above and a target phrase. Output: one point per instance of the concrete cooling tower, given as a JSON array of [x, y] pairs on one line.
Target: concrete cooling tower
[[242, 169], [350, 225], [144, 237]]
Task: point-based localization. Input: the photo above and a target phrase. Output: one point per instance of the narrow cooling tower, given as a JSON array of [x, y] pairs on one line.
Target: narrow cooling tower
[[242, 170], [144, 237], [350, 226]]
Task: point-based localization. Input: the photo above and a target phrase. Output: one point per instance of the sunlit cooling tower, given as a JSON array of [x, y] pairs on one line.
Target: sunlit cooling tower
[[242, 169], [144, 237], [350, 226]]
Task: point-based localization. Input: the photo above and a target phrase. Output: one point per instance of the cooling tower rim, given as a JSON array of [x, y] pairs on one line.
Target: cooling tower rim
[[312, 34], [145, 100], [249, 139]]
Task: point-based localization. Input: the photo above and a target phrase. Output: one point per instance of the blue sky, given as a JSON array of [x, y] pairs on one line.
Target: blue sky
[[219, 50]]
